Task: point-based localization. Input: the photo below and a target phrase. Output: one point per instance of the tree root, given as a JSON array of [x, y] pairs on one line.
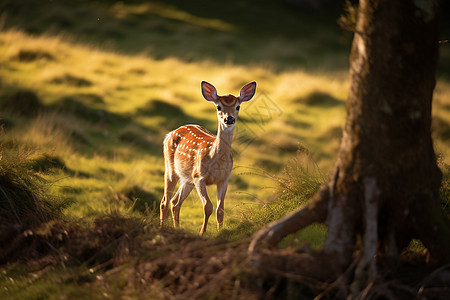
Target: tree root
[[366, 271]]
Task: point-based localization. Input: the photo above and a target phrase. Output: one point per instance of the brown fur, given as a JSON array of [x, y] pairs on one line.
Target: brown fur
[[228, 100], [186, 147], [196, 158]]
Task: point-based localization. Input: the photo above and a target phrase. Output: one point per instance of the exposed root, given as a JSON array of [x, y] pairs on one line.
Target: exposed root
[[366, 270], [443, 271], [286, 274], [311, 268]]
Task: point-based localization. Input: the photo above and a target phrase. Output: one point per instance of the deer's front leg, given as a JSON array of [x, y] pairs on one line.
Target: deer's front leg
[[200, 185], [220, 211]]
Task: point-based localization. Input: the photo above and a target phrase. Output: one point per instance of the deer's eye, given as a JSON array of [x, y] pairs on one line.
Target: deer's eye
[[237, 107], [219, 108]]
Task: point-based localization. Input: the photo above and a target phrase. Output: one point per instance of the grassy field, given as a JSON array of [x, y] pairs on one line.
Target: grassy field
[[88, 89]]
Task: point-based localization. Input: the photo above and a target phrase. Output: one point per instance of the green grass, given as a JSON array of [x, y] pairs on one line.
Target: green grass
[[122, 135], [93, 86]]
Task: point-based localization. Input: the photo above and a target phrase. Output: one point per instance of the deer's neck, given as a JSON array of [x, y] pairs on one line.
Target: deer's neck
[[222, 144]]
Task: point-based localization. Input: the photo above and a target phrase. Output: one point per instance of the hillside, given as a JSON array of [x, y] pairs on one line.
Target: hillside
[[88, 90]]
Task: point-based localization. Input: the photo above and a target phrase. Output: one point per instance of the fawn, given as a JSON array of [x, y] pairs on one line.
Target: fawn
[[197, 158]]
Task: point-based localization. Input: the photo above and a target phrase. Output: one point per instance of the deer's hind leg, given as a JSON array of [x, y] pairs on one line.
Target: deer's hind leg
[[177, 200], [170, 177], [170, 181]]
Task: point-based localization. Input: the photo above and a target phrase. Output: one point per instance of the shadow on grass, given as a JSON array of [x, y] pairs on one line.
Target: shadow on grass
[[48, 163], [161, 108], [74, 105], [280, 34], [95, 127], [21, 102], [320, 99], [138, 199], [441, 129]]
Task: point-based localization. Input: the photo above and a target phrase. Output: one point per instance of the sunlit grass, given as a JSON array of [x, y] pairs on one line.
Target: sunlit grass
[[111, 142], [122, 10], [88, 89]]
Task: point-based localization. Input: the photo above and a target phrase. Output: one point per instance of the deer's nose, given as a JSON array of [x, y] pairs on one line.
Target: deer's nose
[[229, 120]]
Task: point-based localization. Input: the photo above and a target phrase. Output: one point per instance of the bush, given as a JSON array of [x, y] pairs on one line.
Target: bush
[[302, 178], [24, 199]]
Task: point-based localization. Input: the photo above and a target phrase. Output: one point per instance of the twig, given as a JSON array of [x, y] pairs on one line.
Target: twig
[[311, 282], [115, 241], [429, 277], [340, 282], [60, 253]]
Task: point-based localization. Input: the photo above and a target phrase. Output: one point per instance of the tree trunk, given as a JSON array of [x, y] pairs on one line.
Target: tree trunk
[[385, 184]]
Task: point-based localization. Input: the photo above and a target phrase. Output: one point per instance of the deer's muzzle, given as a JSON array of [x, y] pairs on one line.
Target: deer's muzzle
[[229, 120]]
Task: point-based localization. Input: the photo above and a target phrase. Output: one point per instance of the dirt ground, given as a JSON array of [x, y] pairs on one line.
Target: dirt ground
[[131, 259]]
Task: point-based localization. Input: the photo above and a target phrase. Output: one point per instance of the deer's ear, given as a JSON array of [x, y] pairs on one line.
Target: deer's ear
[[209, 92], [247, 91]]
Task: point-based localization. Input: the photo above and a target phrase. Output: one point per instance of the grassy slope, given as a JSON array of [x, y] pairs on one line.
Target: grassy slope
[[142, 97], [112, 78]]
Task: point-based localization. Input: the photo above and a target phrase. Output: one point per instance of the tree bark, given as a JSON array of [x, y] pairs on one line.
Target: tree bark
[[385, 184]]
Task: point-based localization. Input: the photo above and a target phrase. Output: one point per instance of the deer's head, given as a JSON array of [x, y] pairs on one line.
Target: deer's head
[[228, 106]]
